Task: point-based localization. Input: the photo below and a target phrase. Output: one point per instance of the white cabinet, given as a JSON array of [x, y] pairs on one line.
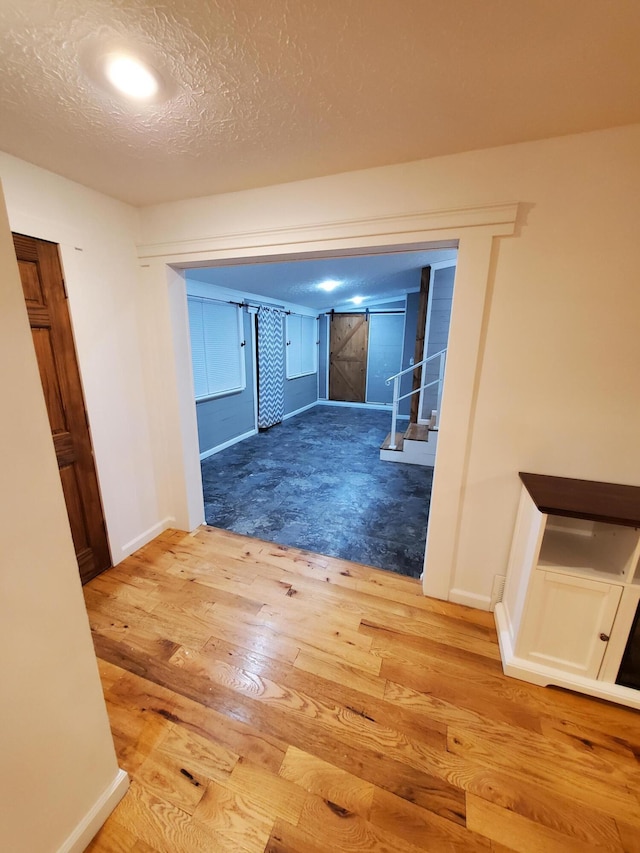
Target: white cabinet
[[568, 622], [573, 586]]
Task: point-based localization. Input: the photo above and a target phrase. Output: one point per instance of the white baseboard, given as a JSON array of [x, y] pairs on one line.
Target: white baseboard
[[96, 816], [381, 407], [471, 599], [147, 536], [300, 411], [225, 444]]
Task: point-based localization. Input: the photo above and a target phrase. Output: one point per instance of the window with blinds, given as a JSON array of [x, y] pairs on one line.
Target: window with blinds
[[302, 349], [216, 347]]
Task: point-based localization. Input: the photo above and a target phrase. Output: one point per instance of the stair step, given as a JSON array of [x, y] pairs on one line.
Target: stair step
[[417, 432], [387, 442]]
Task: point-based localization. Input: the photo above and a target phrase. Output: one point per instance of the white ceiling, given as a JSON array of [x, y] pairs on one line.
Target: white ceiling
[[374, 277], [268, 91]]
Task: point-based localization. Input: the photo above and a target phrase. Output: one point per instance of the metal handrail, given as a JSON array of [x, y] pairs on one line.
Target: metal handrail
[[396, 389], [416, 366], [416, 390]]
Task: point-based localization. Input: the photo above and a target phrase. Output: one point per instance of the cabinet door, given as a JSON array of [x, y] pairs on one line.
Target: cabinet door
[[563, 622]]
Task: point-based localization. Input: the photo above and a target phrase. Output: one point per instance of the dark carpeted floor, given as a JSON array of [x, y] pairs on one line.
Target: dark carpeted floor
[[316, 482]]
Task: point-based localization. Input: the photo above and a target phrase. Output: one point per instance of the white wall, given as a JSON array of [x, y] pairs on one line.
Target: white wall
[[557, 385], [566, 278], [57, 753], [97, 242]]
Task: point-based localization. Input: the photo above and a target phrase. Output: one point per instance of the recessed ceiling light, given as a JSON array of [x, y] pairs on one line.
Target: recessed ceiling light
[[358, 300], [131, 76], [328, 285]]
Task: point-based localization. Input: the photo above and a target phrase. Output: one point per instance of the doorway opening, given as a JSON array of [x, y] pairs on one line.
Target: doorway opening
[[315, 479], [475, 232]]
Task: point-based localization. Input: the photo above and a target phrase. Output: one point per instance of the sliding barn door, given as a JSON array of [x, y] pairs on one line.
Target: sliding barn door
[[349, 335], [46, 301]]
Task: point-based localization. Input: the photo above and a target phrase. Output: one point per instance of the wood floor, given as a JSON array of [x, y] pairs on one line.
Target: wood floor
[[268, 699]]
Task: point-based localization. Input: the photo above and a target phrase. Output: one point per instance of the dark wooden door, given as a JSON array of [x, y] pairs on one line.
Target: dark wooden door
[[46, 300], [348, 357]]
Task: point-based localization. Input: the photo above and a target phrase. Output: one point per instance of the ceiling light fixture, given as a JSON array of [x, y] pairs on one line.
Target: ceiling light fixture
[[328, 285], [131, 77], [358, 300]]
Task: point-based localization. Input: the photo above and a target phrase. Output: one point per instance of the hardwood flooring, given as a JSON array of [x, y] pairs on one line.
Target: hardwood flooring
[[264, 698]]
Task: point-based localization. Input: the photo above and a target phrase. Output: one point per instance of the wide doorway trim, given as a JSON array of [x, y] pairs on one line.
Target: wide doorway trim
[[472, 230]]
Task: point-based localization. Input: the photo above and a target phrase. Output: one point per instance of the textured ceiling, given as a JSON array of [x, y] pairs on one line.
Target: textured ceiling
[[372, 276], [267, 91]]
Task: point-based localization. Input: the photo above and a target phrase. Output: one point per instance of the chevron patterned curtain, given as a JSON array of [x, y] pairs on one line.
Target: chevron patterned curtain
[[270, 367]]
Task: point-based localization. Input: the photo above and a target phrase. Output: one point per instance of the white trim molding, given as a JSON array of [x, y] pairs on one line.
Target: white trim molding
[[301, 410], [473, 230], [470, 599], [93, 821], [420, 224], [381, 407], [147, 536], [207, 453], [442, 265]]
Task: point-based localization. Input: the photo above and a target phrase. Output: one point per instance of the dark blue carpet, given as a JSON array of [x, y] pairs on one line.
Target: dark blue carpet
[[316, 482]]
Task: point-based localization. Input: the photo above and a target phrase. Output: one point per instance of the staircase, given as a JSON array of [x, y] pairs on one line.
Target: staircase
[[419, 443], [417, 446]]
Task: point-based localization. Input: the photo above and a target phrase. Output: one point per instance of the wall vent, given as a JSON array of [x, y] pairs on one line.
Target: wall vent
[[497, 590]]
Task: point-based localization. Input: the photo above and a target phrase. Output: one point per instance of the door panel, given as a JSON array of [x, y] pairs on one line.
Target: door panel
[[46, 303], [31, 283], [348, 357], [565, 620], [50, 379], [73, 499]]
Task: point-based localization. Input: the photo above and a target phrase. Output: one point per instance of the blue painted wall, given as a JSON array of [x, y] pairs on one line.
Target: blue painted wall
[[300, 392], [225, 418], [385, 355]]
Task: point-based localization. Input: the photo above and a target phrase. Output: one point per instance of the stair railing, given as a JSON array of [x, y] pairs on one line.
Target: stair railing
[[397, 397]]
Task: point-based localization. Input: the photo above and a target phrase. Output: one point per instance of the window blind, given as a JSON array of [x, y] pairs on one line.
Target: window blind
[[216, 352], [301, 333]]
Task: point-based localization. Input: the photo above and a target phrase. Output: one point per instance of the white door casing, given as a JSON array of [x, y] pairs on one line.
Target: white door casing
[[473, 230]]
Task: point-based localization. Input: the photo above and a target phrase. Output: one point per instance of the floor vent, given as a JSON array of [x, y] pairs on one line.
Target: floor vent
[[497, 591]]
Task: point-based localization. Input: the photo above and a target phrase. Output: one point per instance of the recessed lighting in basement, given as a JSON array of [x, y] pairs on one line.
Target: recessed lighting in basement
[[131, 76], [358, 300], [329, 285]]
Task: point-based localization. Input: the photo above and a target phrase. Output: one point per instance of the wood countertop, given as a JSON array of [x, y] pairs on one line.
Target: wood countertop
[[607, 502]]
